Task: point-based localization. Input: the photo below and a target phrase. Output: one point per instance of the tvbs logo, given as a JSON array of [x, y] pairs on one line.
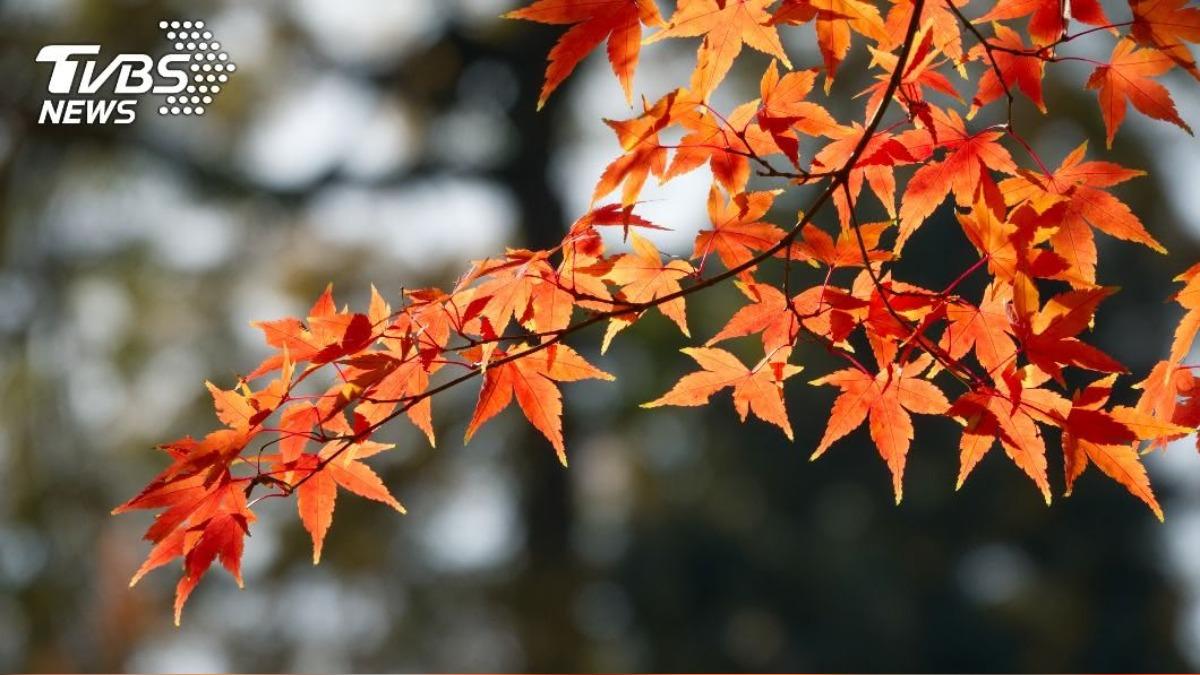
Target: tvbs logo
[[85, 92]]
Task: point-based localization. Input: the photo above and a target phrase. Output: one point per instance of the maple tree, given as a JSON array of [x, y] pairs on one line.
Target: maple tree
[[933, 132]]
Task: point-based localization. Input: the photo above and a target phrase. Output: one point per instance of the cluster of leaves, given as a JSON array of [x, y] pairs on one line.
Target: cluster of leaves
[[996, 363]]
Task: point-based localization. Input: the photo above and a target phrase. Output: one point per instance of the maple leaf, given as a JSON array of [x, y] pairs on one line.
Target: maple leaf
[[920, 72], [324, 413], [817, 245], [620, 21], [1108, 439], [1168, 380], [550, 306], [1008, 414], [643, 278], [884, 400], [896, 313], [835, 19], [1126, 79], [531, 379], [758, 390], [783, 111], [1160, 390], [1147, 427], [1010, 245], [582, 273], [722, 143], [943, 25], [1189, 298], [505, 317], [522, 287], [509, 289], [1016, 70], [425, 325], [1048, 21], [296, 425], [207, 519], [320, 475], [329, 335], [609, 215], [643, 154], [985, 329], [1169, 406], [191, 457], [392, 379], [964, 171], [829, 312], [1078, 186], [235, 409], [738, 232], [1049, 341], [726, 26], [824, 310], [876, 166], [767, 313], [1167, 25]]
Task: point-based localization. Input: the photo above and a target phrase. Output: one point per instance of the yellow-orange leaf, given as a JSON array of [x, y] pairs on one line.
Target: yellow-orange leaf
[[532, 380], [886, 399], [726, 26], [758, 390]]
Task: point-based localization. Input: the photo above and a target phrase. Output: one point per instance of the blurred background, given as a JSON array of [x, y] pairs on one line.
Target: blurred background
[[389, 142]]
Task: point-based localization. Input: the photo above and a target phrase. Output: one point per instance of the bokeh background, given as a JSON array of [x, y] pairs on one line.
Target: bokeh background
[[389, 142]]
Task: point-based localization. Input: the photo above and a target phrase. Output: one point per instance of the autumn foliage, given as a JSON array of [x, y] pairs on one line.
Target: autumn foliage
[[932, 131]]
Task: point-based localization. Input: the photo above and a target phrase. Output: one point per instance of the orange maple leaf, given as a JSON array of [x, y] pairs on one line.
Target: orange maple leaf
[[965, 171], [328, 336], [644, 155], [1161, 390], [1109, 440], [1049, 341], [643, 277], [1078, 186], [620, 21], [986, 329], [835, 19], [1018, 71], [1009, 247], [884, 400], [319, 477], [726, 26], [393, 378], [738, 232], [825, 310], [722, 143], [876, 166], [1189, 298], [531, 379], [1167, 25], [1009, 414], [818, 245], [923, 70], [783, 112], [943, 25], [758, 390], [1126, 79]]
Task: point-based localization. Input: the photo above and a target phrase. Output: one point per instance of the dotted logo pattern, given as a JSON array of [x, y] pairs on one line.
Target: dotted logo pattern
[[210, 67]]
